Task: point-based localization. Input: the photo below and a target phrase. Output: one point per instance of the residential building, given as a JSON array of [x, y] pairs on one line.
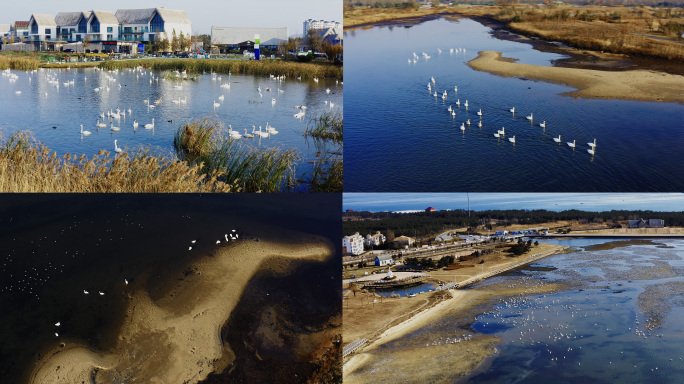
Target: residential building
[[4, 30], [42, 28], [382, 260], [403, 241], [352, 245], [374, 240], [320, 24], [641, 223], [103, 26], [19, 29]]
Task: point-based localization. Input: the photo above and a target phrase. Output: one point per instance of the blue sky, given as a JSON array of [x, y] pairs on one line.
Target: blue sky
[[202, 13], [378, 202]]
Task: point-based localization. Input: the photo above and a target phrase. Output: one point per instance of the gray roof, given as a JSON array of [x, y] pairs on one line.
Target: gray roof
[[68, 18], [43, 19], [383, 257], [106, 17], [135, 16], [236, 35], [174, 16]]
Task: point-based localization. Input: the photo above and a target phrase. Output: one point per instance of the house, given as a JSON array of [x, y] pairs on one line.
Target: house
[[42, 28], [403, 241], [352, 245], [19, 30], [320, 24], [382, 260], [500, 233], [103, 26], [374, 240], [430, 209], [641, 223]]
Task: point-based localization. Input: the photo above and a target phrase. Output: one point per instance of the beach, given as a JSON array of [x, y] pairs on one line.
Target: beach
[[178, 337], [640, 85]]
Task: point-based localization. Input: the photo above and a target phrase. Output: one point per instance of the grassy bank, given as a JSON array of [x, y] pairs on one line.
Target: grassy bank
[[27, 166], [17, 61], [250, 67]]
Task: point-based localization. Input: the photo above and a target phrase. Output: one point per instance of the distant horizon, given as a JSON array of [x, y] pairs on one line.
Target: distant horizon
[[203, 15], [593, 202]]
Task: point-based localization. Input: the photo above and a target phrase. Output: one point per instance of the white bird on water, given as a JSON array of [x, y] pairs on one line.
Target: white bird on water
[[85, 133], [135, 123], [592, 145], [100, 125], [85, 292], [193, 241], [512, 110], [479, 113], [529, 117], [126, 281], [57, 324], [117, 150], [571, 145], [216, 105], [512, 139], [218, 241], [557, 139], [189, 248], [101, 293], [150, 126], [113, 128], [592, 151]]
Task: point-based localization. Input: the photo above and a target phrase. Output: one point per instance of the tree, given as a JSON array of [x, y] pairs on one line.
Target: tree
[[314, 40], [289, 47], [86, 41], [183, 42], [164, 42], [174, 41], [331, 51]]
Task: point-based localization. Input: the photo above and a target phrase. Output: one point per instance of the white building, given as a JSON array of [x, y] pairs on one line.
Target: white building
[[150, 24], [42, 28], [233, 38], [374, 240], [383, 260], [103, 26], [352, 244], [67, 25], [320, 24]]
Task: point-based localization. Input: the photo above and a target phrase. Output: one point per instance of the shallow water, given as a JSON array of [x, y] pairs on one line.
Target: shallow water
[[394, 125], [55, 119], [597, 333]]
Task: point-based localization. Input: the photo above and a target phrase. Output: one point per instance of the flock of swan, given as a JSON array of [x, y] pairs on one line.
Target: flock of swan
[[115, 119], [500, 133]]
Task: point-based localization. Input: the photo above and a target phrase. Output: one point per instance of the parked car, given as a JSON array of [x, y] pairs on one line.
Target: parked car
[[69, 50], [184, 55]]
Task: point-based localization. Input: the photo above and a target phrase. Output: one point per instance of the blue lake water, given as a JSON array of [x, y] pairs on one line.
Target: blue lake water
[[417, 289], [397, 129], [55, 118]]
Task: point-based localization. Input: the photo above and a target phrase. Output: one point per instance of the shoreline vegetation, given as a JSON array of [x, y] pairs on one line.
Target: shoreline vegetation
[[637, 30], [266, 67], [177, 337], [383, 320], [627, 85], [206, 160]]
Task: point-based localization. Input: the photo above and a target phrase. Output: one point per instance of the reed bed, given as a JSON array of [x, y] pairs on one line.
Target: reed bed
[[26, 166], [245, 168], [250, 67], [19, 62], [327, 126]]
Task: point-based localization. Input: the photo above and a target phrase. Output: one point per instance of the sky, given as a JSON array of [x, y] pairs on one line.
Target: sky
[[380, 202], [202, 13]]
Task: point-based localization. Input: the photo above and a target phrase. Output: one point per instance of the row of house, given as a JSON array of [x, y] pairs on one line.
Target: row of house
[[650, 223], [45, 32], [356, 244]]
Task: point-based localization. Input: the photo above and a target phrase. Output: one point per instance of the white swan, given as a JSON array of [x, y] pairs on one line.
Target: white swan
[[216, 104], [458, 102], [557, 139], [150, 126], [221, 97], [468, 122], [512, 139], [113, 128], [571, 145], [85, 133], [479, 113], [117, 150], [529, 117], [101, 293], [248, 135], [543, 125], [497, 135], [101, 125], [512, 110], [57, 324], [591, 151], [592, 145], [479, 124], [502, 132], [270, 129], [462, 127], [85, 292], [233, 134], [135, 124], [466, 104]]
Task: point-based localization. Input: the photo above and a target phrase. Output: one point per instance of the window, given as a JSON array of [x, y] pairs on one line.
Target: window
[[109, 29], [34, 28], [95, 25], [110, 37], [48, 31], [83, 25], [157, 24]]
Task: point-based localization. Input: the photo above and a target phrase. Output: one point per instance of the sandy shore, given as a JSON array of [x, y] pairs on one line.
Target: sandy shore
[[628, 85], [177, 339]]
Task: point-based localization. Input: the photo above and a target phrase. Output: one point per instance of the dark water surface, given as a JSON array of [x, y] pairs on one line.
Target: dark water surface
[[401, 138], [56, 246]]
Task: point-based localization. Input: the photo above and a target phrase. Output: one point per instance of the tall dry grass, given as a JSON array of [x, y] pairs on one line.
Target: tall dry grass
[[27, 166], [326, 130], [19, 62], [244, 167], [251, 67]]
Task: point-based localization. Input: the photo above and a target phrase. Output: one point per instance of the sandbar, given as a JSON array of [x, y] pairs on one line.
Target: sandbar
[[177, 338], [640, 85]]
